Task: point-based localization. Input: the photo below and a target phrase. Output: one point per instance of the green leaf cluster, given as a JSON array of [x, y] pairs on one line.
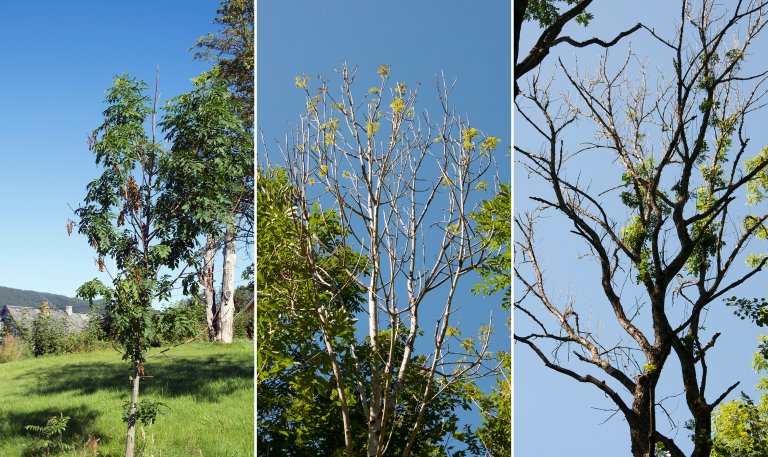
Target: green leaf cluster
[[49, 438], [546, 12], [740, 427], [494, 219]]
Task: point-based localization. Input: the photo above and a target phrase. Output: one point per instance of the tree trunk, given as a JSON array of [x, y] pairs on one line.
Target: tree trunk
[[208, 291], [130, 437], [639, 439], [226, 315], [641, 423], [702, 432]]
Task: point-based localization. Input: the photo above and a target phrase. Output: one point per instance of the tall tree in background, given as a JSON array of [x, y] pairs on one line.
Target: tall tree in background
[[128, 215], [232, 49], [211, 171], [682, 162]]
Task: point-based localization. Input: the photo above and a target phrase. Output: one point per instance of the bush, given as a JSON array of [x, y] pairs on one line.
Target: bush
[[48, 335], [244, 325], [179, 323], [13, 348], [88, 339], [49, 438]]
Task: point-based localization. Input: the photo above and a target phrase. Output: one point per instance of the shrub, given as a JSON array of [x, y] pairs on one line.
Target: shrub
[[177, 323], [13, 348], [244, 325], [88, 339], [48, 335], [50, 437]]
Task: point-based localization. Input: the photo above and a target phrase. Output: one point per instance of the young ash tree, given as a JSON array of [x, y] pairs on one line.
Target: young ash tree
[[669, 234], [232, 49], [388, 197], [129, 216]]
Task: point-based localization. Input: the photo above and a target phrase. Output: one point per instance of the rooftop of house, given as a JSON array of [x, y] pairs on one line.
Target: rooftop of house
[[23, 315]]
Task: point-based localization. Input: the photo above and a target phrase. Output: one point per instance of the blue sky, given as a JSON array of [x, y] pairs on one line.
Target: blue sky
[[58, 60], [469, 43], [556, 416]]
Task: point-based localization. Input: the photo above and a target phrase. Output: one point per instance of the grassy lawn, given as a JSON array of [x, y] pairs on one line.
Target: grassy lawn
[[208, 390]]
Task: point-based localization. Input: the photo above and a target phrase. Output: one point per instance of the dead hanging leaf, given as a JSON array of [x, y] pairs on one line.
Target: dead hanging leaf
[[70, 226], [134, 197]]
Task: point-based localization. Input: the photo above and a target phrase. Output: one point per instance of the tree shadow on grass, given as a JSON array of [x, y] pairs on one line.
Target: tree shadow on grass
[[204, 378], [80, 428]]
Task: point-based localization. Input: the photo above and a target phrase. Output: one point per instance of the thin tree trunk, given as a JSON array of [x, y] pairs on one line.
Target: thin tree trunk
[[130, 437], [226, 314], [345, 414], [208, 291]]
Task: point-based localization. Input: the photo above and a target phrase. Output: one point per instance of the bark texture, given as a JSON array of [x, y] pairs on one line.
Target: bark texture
[[226, 315]]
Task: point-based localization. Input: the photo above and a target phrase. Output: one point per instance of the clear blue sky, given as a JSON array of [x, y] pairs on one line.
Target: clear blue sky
[[58, 60], [555, 416], [469, 42]]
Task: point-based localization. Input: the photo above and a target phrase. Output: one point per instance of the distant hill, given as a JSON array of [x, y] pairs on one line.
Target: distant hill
[[32, 299]]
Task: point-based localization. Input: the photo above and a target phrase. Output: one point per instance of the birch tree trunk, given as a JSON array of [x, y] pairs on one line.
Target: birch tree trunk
[[208, 291], [226, 315]]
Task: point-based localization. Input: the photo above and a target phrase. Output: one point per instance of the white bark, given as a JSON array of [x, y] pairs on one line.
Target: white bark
[[414, 230], [208, 290], [226, 316]]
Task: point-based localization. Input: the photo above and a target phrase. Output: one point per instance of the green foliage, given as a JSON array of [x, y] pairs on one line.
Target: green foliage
[[130, 214], [495, 434], [650, 368], [298, 415], [146, 411], [243, 326], [180, 322], [754, 309], [494, 224], [287, 308], [244, 320], [232, 49], [740, 427], [757, 186], [48, 335], [546, 12], [661, 451], [704, 233], [299, 407], [50, 437], [208, 176]]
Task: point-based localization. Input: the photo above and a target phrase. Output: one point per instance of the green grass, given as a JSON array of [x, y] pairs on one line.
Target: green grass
[[207, 388]]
